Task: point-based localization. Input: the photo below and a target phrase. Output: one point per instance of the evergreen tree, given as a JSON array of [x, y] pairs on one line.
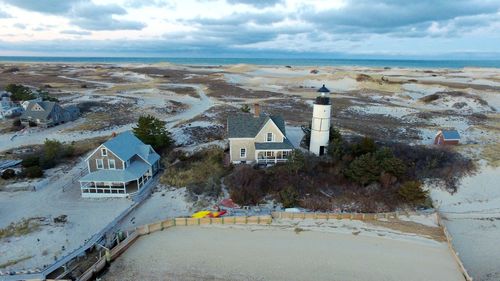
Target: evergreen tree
[[152, 131], [412, 192], [364, 169], [335, 145]]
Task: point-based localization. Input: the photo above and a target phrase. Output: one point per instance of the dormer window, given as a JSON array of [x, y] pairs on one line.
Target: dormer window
[[270, 137], [104, 152]]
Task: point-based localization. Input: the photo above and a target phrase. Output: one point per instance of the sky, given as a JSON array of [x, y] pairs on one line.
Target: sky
[[447, 29]]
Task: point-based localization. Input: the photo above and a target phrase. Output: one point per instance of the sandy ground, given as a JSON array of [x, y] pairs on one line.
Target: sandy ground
[[85, 218], [383, 104], [267, 253], [472, 216], [164, 203]]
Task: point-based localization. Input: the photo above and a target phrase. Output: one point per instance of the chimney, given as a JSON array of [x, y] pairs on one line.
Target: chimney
[[256, 110], [113, 134]]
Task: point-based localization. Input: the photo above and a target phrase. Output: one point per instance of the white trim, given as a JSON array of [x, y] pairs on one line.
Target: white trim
[[102, 145], [97, 164], [104, 151], [270, 120], [109, 164], [245, 156]]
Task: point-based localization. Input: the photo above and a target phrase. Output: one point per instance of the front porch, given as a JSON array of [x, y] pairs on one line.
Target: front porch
[[93, 188], [272, 156]]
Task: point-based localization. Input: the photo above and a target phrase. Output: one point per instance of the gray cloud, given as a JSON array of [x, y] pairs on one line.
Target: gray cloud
[[100, 17], [388, 16], [4, 15], [19, 25], [44, 6], [76, 32], [82, 13], [256, 3]]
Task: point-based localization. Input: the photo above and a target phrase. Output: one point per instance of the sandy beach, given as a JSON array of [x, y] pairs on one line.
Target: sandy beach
[[204, 253]]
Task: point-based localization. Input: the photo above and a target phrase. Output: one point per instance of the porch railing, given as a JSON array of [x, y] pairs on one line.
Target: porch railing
[[271, 160]]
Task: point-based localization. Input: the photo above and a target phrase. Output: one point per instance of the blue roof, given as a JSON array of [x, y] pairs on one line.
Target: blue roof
[[126, 145], [451, 135], [133, 172]]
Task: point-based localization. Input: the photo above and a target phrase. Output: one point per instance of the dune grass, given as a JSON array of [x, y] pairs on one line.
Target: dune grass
[[195, 169], [13, 262], [16, 229]]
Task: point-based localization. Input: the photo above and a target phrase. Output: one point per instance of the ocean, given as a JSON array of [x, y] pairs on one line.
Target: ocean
[[407, 63]]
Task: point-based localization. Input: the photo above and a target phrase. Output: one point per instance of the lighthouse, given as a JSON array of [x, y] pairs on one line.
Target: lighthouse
[[320, 126]]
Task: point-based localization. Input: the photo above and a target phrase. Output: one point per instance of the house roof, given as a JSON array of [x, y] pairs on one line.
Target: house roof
[[451, 134], [47, 106], [133, 172], [248, 126], [323, 89], [286, 144], [126, 145]]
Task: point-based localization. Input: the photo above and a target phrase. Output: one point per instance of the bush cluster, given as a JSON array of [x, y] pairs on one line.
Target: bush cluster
[[51, 153]]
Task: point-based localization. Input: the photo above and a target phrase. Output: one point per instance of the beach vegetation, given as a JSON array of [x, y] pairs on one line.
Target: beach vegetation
[[152, 131]]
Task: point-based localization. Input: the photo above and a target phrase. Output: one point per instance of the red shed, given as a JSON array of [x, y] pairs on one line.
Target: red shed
[[447, 137]]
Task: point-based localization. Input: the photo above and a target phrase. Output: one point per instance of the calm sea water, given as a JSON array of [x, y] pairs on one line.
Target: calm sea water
[[266, 61]]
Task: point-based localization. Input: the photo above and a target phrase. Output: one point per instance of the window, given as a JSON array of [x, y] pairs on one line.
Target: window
[[269, 154], [111, 164], [243, 153], [104, 152], [269, 137], [99, 164]]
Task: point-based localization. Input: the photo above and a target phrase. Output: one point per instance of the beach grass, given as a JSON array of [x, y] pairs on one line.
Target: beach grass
[[16, 229]]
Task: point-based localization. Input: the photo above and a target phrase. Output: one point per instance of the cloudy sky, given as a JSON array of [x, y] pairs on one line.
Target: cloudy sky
[[252, 28]]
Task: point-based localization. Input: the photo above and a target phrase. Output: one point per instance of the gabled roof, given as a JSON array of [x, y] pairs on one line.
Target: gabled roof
[[451, 135], [126, 145], [47, 106], [248, 126]]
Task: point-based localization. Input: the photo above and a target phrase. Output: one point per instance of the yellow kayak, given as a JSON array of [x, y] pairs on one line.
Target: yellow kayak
[[201, 214], [208, 214]]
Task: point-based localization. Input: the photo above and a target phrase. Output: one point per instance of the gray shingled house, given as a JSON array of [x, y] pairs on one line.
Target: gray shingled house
[[48, 114], [119, 167], [257, 139]]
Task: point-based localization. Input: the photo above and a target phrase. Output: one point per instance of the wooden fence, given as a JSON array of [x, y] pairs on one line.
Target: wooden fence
[[340, 216], [452, 249], [121, 247], [116, 251]]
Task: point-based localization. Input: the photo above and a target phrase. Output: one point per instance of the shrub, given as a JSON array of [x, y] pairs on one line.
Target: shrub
[[364, 169], [19, 92], [30, 161], [245, 185], [413, 193], [289, 196], [211, 188], [33, 172], [245, 108], [366, 145], [8, 174], [152, 131], [196, 169], [393, 166], [16, 122]]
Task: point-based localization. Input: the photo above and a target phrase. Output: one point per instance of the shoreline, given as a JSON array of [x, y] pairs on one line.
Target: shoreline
[[267, 62]]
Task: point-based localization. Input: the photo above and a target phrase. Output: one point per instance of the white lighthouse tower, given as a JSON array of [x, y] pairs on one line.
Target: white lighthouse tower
[[320, 126]]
